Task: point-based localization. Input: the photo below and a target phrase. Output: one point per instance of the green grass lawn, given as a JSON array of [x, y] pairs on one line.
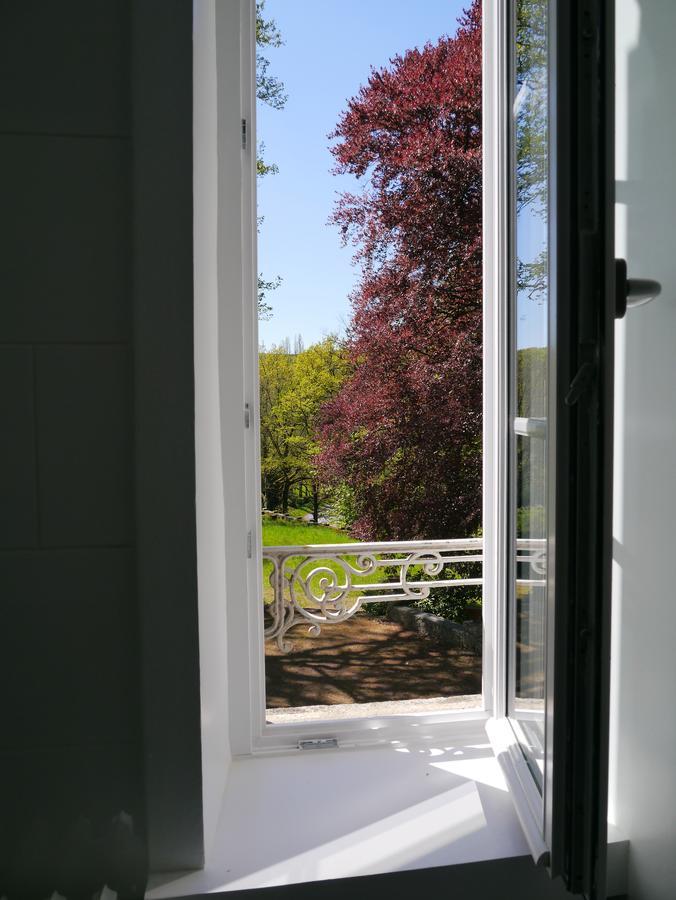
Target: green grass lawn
[[282, 532]]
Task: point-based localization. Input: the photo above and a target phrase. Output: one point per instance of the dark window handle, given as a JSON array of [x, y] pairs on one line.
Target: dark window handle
[[630, 292]]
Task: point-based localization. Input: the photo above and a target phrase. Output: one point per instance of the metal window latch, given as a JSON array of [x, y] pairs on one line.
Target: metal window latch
[[249, 545], [319, 744], [630, 292], [247, 415], [244, 134]]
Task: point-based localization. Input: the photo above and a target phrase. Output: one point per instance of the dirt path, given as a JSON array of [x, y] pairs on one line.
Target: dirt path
[[365, 660]]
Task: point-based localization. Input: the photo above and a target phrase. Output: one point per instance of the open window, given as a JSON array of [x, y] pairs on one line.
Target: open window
[[548, 315], [394, 405], [554, 204]]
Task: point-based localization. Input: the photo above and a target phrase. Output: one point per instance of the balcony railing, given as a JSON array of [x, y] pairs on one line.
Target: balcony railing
[[323, 584]]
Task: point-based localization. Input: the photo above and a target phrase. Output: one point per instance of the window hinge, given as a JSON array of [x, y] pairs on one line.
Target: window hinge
[[244, 137], [319, 744], [247, 415], [249, 545]]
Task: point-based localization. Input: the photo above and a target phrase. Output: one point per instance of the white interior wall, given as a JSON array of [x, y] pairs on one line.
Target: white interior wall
[[211, 571], [643, 725]]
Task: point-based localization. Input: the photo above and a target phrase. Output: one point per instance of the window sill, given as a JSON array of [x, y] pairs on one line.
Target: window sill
[[304, 816]]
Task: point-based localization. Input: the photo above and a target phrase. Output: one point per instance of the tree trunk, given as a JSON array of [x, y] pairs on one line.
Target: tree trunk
[[271, 495], [315, 504], [285, 497]]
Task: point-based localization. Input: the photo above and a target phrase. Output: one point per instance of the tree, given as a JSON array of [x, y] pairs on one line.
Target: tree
[[404, 432], [531, 135], [294, 387], [270, 90]]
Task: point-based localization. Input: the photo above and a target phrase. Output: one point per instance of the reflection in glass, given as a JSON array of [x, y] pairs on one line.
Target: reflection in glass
[[529, 391]]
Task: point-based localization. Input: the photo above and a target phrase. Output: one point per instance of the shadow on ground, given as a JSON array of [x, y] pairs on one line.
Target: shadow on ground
[[365, 660]]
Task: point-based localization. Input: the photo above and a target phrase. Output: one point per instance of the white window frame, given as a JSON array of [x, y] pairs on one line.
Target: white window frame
[[499, 229], [238, 339], [497, 277]]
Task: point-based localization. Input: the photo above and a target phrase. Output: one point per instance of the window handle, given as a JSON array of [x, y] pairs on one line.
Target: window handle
[[630, 292]]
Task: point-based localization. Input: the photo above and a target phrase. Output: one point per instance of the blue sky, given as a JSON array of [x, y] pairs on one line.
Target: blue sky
[[329, 48]]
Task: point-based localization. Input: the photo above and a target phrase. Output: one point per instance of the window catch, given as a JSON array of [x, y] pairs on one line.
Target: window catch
[[244, 138], [319, 744], [249, 545], [247, 415]]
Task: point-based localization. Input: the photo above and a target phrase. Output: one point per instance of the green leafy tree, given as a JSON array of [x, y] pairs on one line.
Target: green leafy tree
[[531, 133], [269, 90], [293, 390]]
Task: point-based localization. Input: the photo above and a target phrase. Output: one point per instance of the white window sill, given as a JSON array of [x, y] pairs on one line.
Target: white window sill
[[314, 815]]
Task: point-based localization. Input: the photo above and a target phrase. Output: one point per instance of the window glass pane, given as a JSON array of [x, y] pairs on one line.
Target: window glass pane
[[529, 379]]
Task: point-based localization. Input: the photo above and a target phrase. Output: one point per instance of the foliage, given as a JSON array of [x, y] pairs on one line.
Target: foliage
[[531, 522], [404, 432], [531, 103], [448, 602], [531, 134], [343, 506], [293, 390], [264, 308], [531, 385], [451, 603], [531, 277], [269, 90], [531, 382]]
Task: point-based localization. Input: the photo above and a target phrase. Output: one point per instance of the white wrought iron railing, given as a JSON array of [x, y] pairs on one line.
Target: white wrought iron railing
[[323, 584]]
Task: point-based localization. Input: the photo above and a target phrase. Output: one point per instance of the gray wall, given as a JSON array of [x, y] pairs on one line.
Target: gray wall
[[643, 723], [97, 572], [71, 736]]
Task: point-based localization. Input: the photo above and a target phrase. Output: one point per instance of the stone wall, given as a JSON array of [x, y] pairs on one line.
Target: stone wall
[[465, 636]]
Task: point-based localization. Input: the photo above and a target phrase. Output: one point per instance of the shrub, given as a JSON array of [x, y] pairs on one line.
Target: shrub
[[451, 602]]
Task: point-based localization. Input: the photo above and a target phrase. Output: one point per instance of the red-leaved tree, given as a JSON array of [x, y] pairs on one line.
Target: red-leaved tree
[[404, 433]]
